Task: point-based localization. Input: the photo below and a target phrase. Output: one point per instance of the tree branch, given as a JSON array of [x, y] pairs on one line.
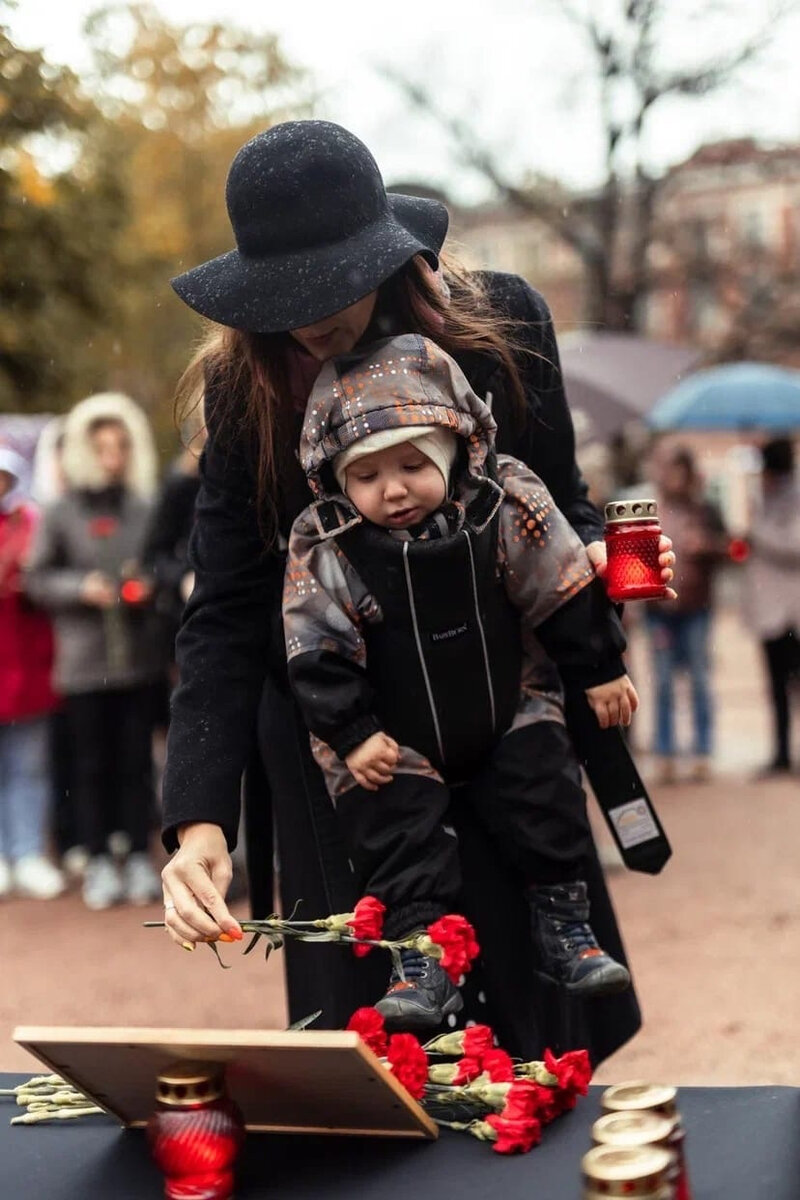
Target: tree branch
[[555, 213]]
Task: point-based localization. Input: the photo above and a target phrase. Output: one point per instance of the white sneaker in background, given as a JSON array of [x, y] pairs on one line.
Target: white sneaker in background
[[119, 843], [74, 862], [36, 877], [5, 876], [140, 880], [102, 885]]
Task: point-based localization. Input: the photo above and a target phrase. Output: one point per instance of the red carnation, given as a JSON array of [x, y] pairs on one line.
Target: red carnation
[[549, 1104], [409, 1062], [368, 1024], [457, 938], [499, 1066], [478, 1040], [367, 923], [572, 1070], [518, 1126], [565, 1101], [467, 1069], [521, 1101], [514, 1135]]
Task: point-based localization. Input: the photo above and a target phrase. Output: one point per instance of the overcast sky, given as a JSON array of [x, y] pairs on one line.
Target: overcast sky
[[514, 67]]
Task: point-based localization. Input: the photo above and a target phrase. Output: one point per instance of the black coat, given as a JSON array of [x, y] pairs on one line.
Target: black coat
[[233, 701]]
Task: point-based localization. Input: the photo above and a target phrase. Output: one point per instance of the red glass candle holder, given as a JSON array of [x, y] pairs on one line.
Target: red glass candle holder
[[632, 535], [133, 591], [738, 550], [195, 1133]]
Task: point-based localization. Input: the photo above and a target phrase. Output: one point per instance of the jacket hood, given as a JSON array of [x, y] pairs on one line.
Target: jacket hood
[[394, 383], [13, 465], [78, 462]]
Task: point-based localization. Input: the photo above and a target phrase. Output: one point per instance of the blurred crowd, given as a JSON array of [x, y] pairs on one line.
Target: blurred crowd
[[679, 632], [93, 578], [94, 574]]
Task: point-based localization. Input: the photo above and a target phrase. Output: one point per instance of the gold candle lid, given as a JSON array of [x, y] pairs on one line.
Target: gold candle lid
[[631, 510], [638, 1096], [626, 1170], [631, 1129], [663, 1192], [187, 1083]]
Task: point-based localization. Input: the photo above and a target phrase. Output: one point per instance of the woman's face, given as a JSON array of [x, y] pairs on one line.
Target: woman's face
[[338, 333], [676, 480], [112, 450]]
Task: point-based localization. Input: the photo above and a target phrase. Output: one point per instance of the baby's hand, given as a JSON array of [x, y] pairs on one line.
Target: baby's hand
[[373, 762], [613, 703]]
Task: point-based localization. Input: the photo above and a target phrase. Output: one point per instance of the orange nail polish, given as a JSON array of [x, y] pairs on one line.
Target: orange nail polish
[[225, 937]]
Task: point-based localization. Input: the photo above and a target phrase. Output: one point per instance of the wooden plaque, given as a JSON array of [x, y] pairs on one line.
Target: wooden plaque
[[324, 1082]]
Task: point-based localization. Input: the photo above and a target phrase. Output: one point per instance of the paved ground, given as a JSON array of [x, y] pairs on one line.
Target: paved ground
[[714, 940]]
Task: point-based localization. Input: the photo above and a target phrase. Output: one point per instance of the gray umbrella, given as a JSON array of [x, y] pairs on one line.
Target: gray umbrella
[[613, 379]]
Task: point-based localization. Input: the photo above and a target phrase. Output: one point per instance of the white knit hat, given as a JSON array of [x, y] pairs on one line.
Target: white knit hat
[[436, 443]]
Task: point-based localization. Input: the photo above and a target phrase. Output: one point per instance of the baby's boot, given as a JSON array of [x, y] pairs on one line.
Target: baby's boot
[[419, 998], [568, 951]]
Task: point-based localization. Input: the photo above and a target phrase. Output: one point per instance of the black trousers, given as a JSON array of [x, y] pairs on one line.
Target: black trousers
[[782, 656], [65, 831], [528, 798], [111, 765]]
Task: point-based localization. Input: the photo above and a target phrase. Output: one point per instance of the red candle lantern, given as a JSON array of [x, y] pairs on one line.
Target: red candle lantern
[[133, 591], [195, 1133], [738, 550], [632, 535]]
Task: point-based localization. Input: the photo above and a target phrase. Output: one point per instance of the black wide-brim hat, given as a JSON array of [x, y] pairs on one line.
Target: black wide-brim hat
[[315, 231]]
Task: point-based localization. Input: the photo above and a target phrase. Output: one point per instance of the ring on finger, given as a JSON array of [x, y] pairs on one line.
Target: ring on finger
[[168, 904]]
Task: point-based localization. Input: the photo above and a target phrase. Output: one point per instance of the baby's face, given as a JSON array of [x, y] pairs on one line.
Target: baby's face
[[396, 488]]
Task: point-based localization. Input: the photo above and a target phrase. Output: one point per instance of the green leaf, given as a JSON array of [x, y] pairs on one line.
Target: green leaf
[[304, 1022], [213, 946], [252, 942]]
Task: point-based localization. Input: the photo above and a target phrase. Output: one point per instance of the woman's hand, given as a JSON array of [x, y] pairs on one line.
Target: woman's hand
[[666, 560], [187, 586], [98, 591], [613, 703], [194, 883], [373, 762]]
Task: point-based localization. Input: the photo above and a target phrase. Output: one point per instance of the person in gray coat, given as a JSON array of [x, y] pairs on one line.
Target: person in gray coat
[[84, 568]]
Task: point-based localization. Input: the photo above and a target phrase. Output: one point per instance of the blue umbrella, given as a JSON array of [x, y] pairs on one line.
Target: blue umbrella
[[739, 396]]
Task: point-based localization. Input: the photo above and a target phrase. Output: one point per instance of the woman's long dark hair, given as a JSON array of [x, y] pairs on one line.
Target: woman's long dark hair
[[251, 376]]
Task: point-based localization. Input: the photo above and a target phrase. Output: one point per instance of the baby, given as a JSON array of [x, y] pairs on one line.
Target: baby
[[425, 589]]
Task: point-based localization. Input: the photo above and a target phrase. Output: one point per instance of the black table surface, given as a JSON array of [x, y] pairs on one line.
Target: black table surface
[[743, 1144]]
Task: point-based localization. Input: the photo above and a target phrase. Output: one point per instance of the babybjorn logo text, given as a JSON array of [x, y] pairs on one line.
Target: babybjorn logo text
[[448, 634]]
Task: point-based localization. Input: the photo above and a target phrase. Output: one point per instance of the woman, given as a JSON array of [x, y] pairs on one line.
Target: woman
[[679, 631], [83, 569], [325, 261]]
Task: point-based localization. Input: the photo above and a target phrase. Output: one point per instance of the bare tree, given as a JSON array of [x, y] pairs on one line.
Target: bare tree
[[610, 231], [734, 269]]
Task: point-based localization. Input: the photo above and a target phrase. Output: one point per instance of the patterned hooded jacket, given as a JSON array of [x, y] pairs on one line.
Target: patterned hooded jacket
[[538, 561]]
